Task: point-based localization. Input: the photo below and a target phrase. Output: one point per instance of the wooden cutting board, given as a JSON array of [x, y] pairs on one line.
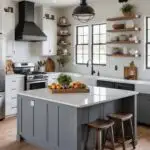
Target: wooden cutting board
[[65, 91], [130, 73], [50, 65]]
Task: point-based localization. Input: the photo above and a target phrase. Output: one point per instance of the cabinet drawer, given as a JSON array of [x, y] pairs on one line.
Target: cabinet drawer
[[125, 86], [105, 84]]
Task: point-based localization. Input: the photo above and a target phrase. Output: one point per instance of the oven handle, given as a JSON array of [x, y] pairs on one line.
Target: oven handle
[[38, 81]]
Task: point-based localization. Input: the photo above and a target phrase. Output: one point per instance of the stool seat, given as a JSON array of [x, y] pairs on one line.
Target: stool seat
[[101, 124], [120, 116]]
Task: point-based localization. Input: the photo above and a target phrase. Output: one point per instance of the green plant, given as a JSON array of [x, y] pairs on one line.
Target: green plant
[[62, 60], [127, 8], [64, 79]]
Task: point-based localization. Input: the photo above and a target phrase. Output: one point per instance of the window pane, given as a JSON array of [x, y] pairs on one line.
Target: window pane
[[96, 29], [148, 61], [96, 39], [103, 29], [85, 49], [96, 49], [86, 30], [96, 59], [85, 58], [148, 23], [85, 39], [79, 58], [103, 49], [103, 59], [79, 49], [80, 30], [102, 38], [80, 40]]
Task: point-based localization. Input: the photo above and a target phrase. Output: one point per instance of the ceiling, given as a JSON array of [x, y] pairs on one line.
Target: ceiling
[[58, 3]]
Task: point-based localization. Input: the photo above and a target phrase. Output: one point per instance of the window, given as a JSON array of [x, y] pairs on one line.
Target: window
[[99, 44], [148, 42], [82, 44]]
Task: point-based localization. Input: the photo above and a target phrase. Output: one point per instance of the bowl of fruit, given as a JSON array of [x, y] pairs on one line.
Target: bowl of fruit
[[65, 85]]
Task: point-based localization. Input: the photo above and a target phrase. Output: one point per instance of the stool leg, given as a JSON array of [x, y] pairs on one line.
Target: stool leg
[[123, 135], [105, 139], [97, 139], [112, 138], [132, 134], [87, 137]]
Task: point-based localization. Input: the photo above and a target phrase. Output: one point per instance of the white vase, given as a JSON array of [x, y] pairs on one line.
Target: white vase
[[42, 69]]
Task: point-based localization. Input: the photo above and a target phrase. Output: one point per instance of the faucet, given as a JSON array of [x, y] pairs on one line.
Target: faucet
[[92, 66]]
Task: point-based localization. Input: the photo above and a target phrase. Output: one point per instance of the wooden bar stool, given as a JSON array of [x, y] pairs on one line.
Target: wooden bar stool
[[100, 126], [120, 119]]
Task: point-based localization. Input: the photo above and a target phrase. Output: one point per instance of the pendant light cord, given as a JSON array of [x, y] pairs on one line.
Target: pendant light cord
[[83, 2]]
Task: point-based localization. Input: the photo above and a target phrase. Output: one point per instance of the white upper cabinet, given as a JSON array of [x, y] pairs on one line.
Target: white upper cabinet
[[49, 27], [8, 31]]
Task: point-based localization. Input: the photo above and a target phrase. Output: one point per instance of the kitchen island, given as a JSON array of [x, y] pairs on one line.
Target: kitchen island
[[58, 121]]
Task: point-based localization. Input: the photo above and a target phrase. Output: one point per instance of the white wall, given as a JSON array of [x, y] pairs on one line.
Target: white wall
[[105, 9]]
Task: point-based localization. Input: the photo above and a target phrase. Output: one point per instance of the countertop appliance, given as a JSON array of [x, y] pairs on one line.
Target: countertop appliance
[[33, 79], [2, 105]]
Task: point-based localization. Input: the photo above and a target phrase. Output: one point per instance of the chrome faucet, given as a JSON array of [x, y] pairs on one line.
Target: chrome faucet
[[92, 66]]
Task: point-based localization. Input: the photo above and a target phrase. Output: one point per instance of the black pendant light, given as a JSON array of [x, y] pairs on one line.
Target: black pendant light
[[84, 12]]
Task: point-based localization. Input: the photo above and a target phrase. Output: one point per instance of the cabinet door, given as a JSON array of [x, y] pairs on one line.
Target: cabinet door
[[40, 121], [125, 86], [8, 31], [105, 84], [52, 37], [50, 29], [27, 118], [143, 109]]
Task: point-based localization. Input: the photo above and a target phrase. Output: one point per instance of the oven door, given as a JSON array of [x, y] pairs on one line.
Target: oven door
[[36, 85]]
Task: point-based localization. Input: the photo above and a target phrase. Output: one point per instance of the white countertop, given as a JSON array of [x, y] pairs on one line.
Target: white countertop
[[97, 95], [94, 77], [15, 75]]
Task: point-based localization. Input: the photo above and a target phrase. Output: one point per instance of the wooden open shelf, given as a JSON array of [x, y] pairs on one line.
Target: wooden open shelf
[[121, 55], [63, 25], [124, 30], [124, 18], [66, 44], [64, 34], [124, 42]]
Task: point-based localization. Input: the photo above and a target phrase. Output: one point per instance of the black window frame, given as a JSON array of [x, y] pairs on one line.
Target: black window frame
[[99, 44], [147, 43], [81, 44]]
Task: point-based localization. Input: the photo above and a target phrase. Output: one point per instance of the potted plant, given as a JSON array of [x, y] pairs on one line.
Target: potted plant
[[127, 10], [62, 60]]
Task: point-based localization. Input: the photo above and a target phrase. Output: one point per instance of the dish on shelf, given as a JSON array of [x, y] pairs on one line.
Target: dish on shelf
[[118, 26]]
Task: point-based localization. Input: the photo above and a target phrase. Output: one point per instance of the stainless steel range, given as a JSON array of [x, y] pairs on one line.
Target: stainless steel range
[[33, 79]]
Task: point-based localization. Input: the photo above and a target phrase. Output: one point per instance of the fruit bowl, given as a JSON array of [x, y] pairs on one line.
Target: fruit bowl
[[74, 87]]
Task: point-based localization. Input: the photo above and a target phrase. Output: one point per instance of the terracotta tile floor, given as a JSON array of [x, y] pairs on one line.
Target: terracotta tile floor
[[8, 136]]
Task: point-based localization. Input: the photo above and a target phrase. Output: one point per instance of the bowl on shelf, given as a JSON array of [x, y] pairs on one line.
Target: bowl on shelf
[[118, 26]]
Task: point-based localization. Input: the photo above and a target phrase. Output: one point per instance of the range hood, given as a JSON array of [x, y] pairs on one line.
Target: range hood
[[26, 29]]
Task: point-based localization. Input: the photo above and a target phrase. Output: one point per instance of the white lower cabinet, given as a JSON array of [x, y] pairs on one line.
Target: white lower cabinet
[[13, 85]]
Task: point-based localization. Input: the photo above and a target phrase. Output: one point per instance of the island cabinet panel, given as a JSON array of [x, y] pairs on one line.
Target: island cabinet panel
[[67, 128], [40, 121], [53, 125], [27, 118], [143, 115]]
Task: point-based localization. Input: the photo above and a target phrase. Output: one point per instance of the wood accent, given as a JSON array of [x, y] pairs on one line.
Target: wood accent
[[121, 55], [64, 34], [71, 90], [123, 42], [130, 73], [124, 18], [124, 30], [63, 25]]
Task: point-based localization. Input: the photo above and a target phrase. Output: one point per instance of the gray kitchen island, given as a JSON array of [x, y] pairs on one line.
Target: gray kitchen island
[[58, 121]]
